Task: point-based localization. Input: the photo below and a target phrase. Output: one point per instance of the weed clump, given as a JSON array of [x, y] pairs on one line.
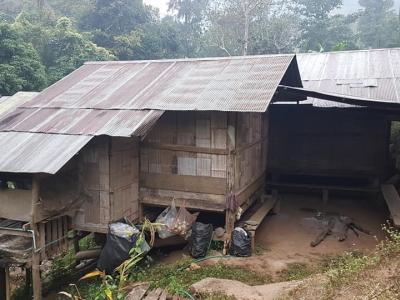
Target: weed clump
[[295, 271]]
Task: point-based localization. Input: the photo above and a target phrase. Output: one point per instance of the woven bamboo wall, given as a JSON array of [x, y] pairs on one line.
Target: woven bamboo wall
[[192, 129], [251, 148]]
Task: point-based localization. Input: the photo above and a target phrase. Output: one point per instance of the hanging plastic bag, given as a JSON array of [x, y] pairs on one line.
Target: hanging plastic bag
[[123, 230], [183, 221], [241, 243], [167, 219], [200, 239]]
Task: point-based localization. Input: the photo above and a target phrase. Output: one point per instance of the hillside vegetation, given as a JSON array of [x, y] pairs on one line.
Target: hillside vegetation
[[41, 41]]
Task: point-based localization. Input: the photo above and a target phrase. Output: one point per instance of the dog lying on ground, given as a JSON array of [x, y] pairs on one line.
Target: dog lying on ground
[[335, 224]]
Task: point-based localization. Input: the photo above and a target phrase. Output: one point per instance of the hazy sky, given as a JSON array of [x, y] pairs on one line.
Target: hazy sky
[[348, 5], [162, 5]]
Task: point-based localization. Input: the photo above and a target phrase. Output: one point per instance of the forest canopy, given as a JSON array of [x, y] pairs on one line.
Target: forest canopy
[[41, 41]]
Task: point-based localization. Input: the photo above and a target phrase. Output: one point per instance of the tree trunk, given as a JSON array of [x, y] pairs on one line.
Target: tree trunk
[[246, 29]]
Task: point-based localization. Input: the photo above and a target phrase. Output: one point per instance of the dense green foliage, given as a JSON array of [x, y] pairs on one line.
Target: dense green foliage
[[20, 66], [43, 40]]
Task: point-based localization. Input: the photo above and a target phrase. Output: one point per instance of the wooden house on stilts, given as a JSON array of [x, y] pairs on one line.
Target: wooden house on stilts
[[113, 138]]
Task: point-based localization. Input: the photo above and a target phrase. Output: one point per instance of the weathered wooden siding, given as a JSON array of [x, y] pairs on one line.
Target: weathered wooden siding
[[184, 157], [109, 170], [312, 141], [124, 178], [94, 175], [251, 153]]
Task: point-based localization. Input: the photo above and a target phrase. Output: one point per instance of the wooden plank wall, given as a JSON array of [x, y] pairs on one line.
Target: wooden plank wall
[[110, 177], [334, 142], [94, 175], [124, 178], [185, 152], [251, 151]]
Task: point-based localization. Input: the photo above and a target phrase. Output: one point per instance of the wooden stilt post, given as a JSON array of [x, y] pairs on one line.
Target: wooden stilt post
[[36, 280], [76, 247], [231, 140], [2, 283], [28, 281], [5, 292]]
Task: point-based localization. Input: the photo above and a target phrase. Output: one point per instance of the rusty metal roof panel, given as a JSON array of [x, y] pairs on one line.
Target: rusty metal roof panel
[[94, 122], [221, 84], [9, 103], [23, 152], [370, 74]]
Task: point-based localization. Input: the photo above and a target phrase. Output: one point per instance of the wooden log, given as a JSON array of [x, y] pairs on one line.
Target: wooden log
[[88, 254]]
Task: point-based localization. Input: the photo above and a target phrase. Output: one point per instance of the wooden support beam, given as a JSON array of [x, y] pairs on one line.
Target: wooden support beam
[[230, 216], [184, 148], [36, 280], [5, 289], [184, 183]]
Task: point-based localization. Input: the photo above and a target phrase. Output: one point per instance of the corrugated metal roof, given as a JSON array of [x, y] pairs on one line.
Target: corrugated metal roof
[[373, 74], [123, 123], [9, 103], [37, 153], [127, 98], [243, 84]]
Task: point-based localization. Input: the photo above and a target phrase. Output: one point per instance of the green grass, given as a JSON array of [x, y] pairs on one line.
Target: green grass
[[175, 278], [296, 271]]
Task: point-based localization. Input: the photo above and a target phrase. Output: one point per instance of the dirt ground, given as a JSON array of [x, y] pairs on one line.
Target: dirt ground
[[285, 238]]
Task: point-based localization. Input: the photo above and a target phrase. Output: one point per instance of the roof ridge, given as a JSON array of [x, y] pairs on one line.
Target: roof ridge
[[348, 51], [190, 59]]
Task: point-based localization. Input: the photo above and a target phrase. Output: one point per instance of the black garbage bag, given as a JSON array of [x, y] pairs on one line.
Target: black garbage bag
[[241, 243], [200, 239], [115, 252]]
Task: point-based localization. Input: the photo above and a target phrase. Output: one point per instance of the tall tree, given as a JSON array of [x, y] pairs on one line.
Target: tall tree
[[315, 22], [60, 46], [190, 14], [378, 24], [20, 66], [241, 27]]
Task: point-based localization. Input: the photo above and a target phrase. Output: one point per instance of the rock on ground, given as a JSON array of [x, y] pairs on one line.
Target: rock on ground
[[243, 291]]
